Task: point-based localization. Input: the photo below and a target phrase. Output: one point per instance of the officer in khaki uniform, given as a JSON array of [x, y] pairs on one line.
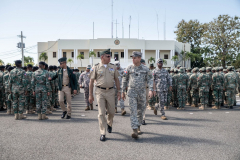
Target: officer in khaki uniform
[[104, 73]]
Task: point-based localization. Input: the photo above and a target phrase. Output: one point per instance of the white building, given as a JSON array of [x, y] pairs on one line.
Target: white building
[[121, 50]]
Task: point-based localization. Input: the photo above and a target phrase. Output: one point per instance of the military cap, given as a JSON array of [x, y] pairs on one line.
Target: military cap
[[179, 66], [167, 69], [117, 63], [2, 66], [142, 61], [214, 68], [41, 63], [54, 67], [151, 65], [181, 69], [224, 70], [108, 51], [24, 67], [50, 67], [159, 60], [209, 68], [18, 62], [7, 66], [203, 69], [229, 68], [10, 68], [63, 59], [29, 65], [195, 69], [136, 54]]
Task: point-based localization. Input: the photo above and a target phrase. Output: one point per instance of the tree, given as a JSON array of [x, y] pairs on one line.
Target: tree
[[151, 60], [80, 57], [92, 54], [70, 61], [43, 56], [1, 62], [223, 39], [236, 63], [28, 60], [164, 62], [9, 64]]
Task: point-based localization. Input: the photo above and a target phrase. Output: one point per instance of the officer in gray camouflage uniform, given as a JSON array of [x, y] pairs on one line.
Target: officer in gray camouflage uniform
[[83, 81], [136, 76], [161, 79], [121, 72]]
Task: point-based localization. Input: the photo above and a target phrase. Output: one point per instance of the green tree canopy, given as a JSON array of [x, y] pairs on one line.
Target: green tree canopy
[[70, 61], [1, 62], [43, 56]]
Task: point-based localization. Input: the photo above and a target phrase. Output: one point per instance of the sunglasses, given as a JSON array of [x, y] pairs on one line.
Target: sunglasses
[[108, 56], [61, 63]]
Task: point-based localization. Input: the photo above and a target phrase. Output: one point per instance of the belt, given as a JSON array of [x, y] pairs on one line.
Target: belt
[[64, 85], [105, 88]]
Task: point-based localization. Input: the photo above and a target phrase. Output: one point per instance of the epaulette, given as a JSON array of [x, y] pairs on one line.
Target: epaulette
[[96, 64]]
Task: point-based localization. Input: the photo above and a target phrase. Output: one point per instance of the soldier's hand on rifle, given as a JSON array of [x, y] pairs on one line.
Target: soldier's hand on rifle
[[123, 96], [34, 94]]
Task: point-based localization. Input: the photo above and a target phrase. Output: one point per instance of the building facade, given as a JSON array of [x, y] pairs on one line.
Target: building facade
[[121, 49]]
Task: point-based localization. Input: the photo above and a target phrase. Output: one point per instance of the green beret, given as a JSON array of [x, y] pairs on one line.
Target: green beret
[[105, 52], [63, 59]]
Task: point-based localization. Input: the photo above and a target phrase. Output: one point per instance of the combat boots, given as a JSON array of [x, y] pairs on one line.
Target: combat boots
[[123, 112], [87, 108], [21, 116], [39, 116], [27, 111], [193, 105], [16, 116], [91, 106], [214, 107], [163, 117], [138, 130], [166, 108], [135, 133], [202, 107], [44, 116], [48, 111], [12, 112], [155, 111], [8, 111], [115, 109], [188, 104], [53, 109]]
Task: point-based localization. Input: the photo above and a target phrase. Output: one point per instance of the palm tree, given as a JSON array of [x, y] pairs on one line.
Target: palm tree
[[1, 62], [28, 60], [70, 61], [151, 59], [43, 56], [80, 57], [164, 62], [92, 54]]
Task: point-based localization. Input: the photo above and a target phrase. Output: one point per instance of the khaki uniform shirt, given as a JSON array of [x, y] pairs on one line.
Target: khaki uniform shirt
[[65, 77], [104, 76]]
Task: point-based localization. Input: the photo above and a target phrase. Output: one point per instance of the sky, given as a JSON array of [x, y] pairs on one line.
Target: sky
[[49, 20]]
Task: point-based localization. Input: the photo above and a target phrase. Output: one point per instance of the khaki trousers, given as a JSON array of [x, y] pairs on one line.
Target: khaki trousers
[[147, 91], [105, 100], [66, 91]]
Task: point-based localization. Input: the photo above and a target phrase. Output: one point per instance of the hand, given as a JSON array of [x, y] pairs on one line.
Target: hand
[[119, 95], [80, 86], [75, 91], [91, 99], [154, 93], [34, 94], [48, 93], [170, 88], [150, 94], [123, 96], [49, 78]]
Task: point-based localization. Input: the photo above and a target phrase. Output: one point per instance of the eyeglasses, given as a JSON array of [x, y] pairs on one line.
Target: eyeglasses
[[108, 56]]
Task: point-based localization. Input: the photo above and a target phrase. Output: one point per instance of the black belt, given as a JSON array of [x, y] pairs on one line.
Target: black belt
[[64, 85], [105, 88]]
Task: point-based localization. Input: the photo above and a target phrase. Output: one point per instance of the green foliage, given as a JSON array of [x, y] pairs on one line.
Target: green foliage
[[70, 61], [164, 62], [28, 60], [43, 56], [80, 57], [151, 60], [1, 62], [92, 53], [175, 58]]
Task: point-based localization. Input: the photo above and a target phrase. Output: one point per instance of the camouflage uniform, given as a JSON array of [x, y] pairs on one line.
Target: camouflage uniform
[[210, 101], [203, 83], [53, 89], [230, 84], [182, 85], [85, 79], [7, 92], [29, 99], [162, 80], [174, 92], [193, 88], [77, 76], [136, 77], [217, 87], [189, 98], [40, 85], [169, 94], [121, 73], [2, 94], [56, 89], [18, 87]]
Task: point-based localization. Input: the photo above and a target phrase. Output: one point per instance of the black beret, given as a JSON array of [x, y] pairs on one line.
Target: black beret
[[7, 66], [10, 68], [18, 62], [63, 59], [42, 63], [2, 66], [29, 65], [24, 67], [54, 67]]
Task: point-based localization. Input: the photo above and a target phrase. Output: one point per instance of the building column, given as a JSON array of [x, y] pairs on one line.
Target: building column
[[171, 55], [143, 53], [59, 53], [157, 55], [90, 58], [125, 55]]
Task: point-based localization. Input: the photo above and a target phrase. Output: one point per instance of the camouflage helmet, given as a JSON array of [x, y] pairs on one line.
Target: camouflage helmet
[[224, 70], [230, 68], [167, 69]]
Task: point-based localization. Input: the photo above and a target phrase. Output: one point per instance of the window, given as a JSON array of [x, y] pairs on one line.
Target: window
[[65, 54], [122, 54], [111, 54], [54, 54], [72, 54], [98, 54], [176, 53], [165, 56], [82, 53]]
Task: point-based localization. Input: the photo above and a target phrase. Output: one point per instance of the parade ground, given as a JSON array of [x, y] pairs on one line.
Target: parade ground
[[187, 135]]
